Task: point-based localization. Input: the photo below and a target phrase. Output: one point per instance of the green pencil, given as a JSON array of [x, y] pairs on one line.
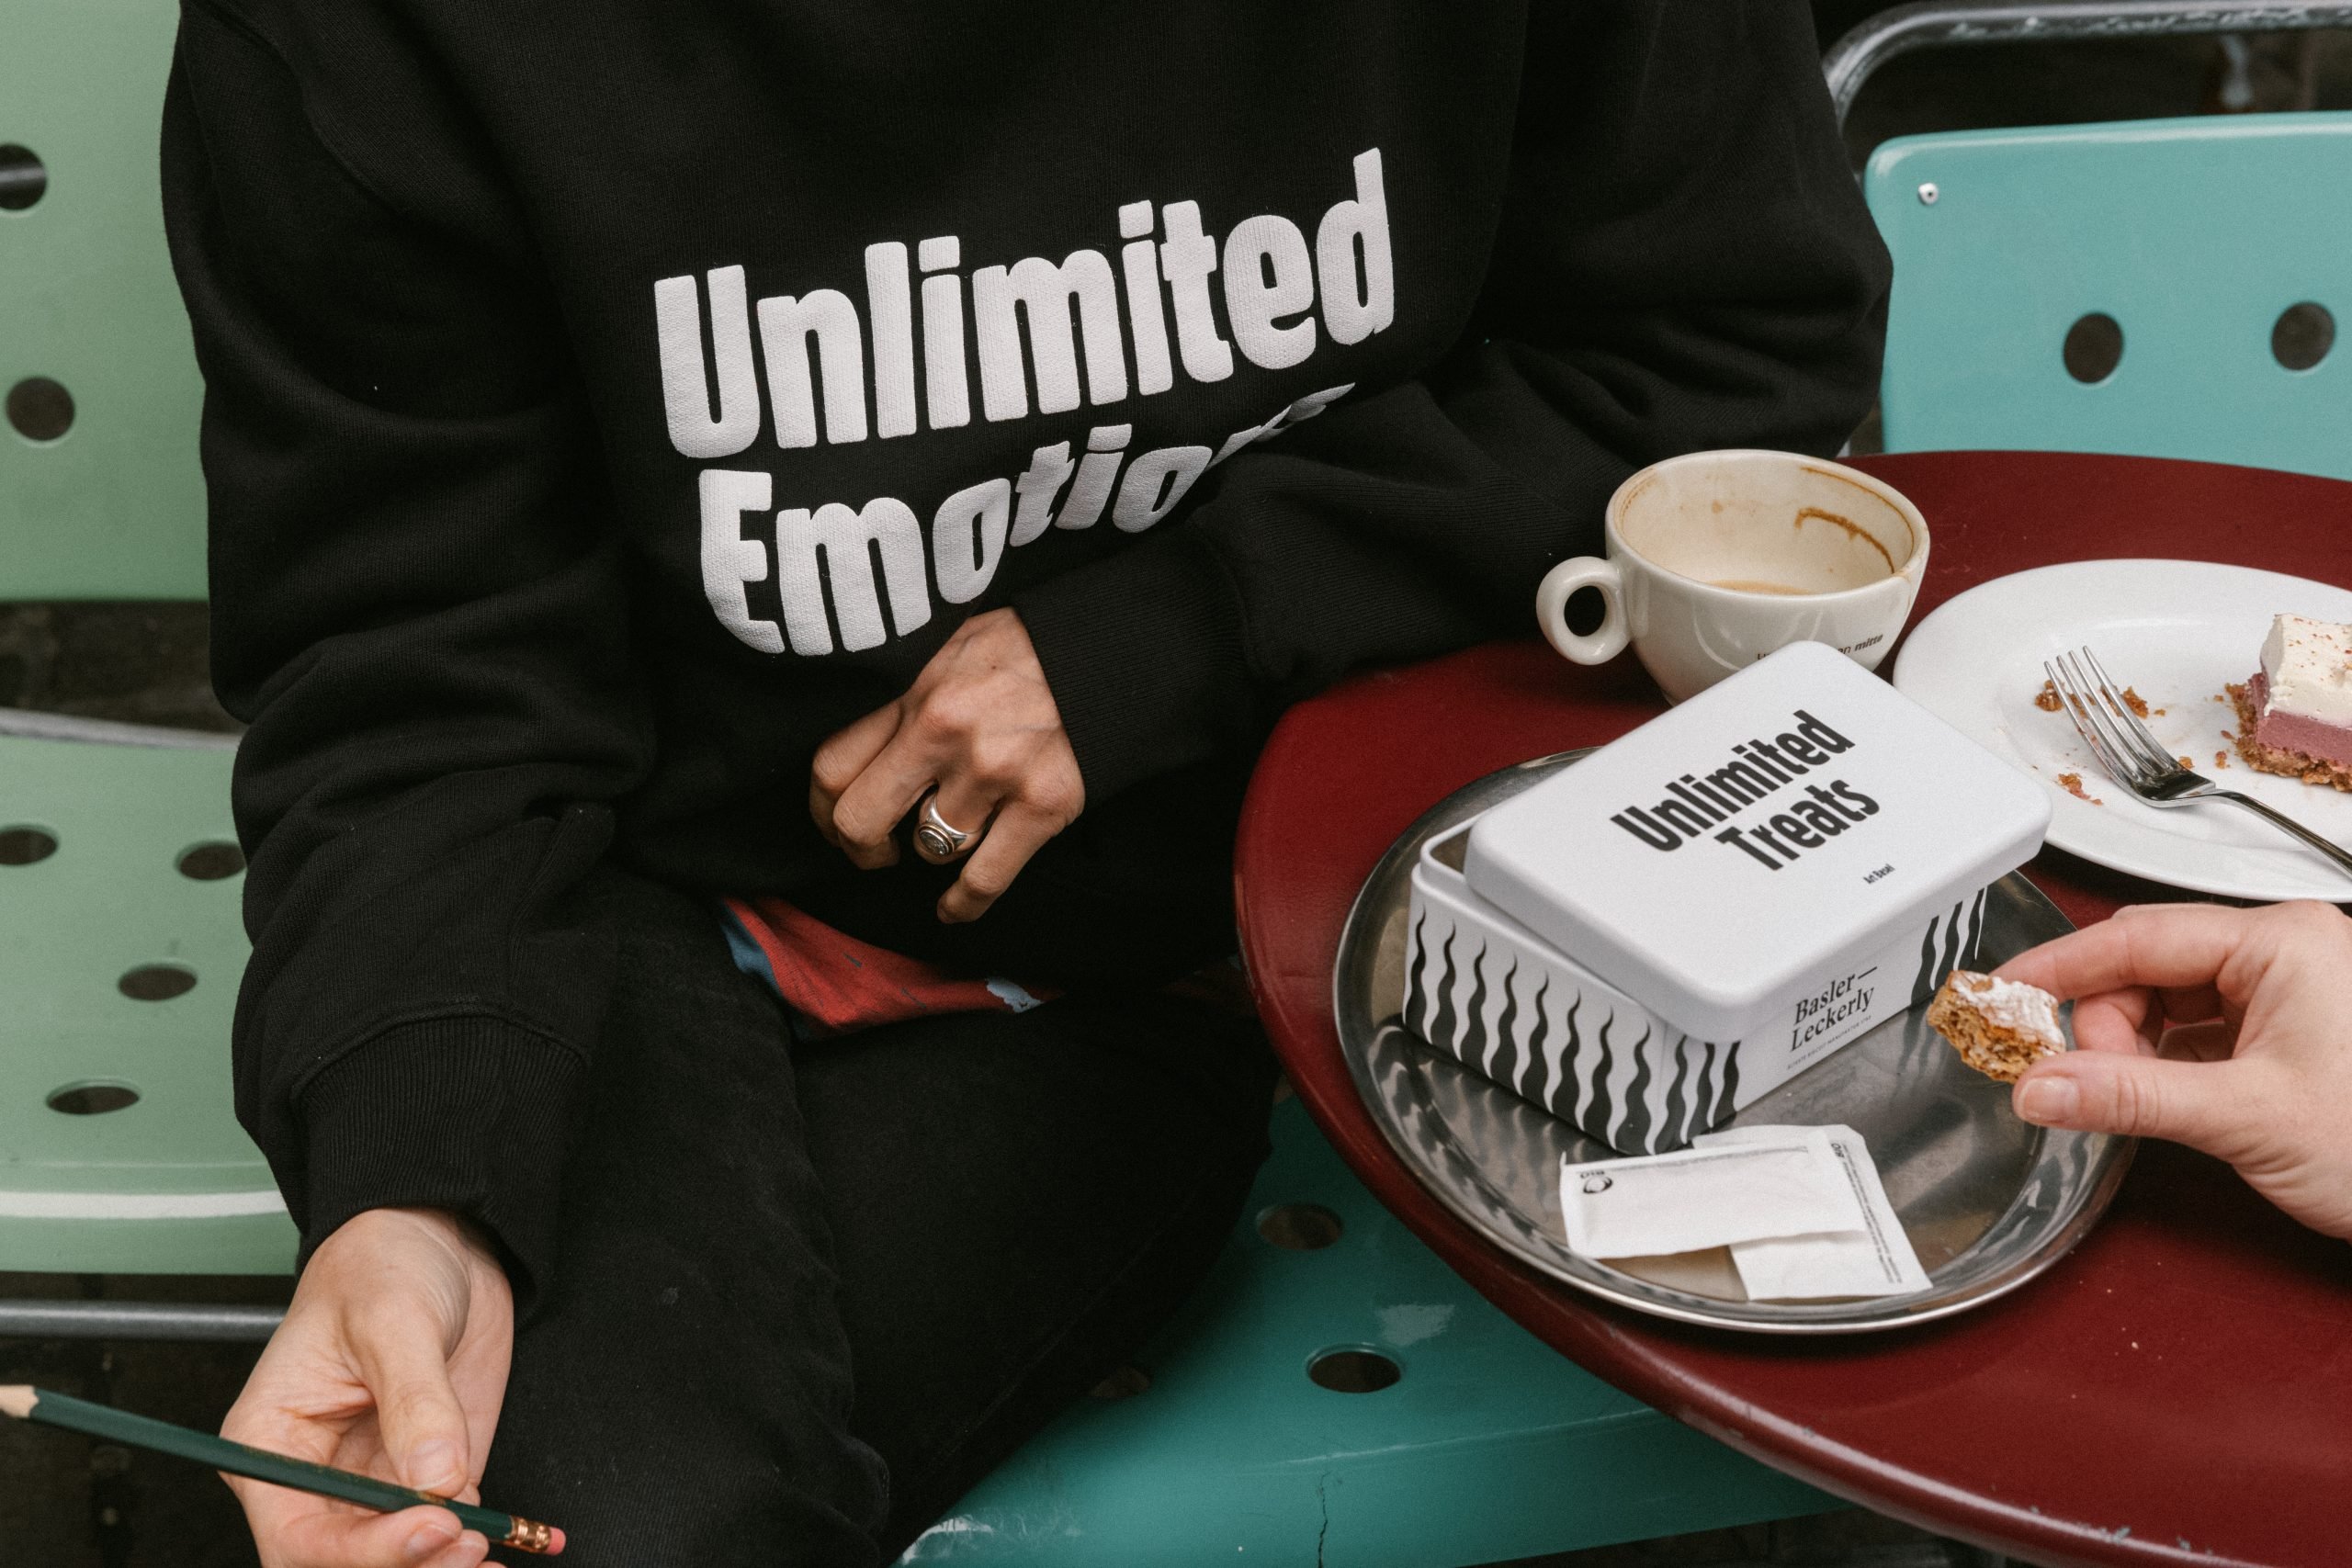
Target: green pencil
[[28, 1404]]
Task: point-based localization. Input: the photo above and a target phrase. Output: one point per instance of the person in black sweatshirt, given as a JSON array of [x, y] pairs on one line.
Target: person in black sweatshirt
[[653, 447]]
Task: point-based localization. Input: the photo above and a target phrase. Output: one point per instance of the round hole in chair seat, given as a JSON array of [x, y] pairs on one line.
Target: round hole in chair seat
[[2301, 335], [1300, 1227], [23, 845], [91, 1099], [1352, 1369], [40, 409], [156, 982], [212, 861], [24, 178], [2094, 348], [1125, 1383]]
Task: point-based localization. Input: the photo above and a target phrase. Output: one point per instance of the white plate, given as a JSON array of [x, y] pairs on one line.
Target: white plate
[[2176, 632]]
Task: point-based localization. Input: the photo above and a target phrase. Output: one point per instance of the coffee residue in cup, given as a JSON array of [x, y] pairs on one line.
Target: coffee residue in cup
[[1853, 530], [1750, 585]]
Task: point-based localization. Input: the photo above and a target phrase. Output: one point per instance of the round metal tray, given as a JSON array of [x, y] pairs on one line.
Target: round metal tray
[[1989, 1200]]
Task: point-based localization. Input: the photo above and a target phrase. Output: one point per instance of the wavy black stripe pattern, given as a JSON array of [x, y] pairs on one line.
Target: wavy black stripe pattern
[[1417, 986], [1440, 1032], [1501, 1063], [1636, 1133], [1611, 1081], [1604, 1109], [1952, 940], [1530, 1084], [1677, 1110], [1473, 1049]]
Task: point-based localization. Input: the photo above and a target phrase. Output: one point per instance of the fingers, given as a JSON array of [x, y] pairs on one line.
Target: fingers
[[2169, 946], [974, 764], [2208, 1105], [981, 725], [401, 1356], [304, 1532], [2123, 1021], [840, 760], [1020, 832], [470, 1552]]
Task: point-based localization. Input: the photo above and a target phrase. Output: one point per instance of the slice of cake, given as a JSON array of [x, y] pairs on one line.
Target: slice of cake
[[2295, 713], [1999, 1027]]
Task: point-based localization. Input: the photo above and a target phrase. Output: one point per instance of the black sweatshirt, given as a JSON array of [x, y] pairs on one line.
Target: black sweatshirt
[[610, 398]]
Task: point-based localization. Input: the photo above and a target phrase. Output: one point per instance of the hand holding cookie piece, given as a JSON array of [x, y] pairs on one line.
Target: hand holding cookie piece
[[1999, 1027], [2225, 1030]]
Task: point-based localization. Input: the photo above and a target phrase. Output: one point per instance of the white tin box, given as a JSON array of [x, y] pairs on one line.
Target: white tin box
[[1747, 882]]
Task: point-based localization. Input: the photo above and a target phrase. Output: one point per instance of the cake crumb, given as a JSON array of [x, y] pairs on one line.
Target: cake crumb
[[2220, 759], [2047, 698], [2185, 764], [2073, 785], [2136, 703]]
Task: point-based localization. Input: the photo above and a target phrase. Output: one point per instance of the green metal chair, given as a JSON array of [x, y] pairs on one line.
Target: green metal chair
[[1486, 1447], [119, 938], [121, 947], [2164, 288]]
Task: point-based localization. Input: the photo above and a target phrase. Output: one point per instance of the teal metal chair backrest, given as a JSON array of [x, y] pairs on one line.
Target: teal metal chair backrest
[[2160, 287], [100, 494]]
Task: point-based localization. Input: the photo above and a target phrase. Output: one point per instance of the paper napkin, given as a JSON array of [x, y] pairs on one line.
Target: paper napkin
[[1748, 1190], [1876, 1260]]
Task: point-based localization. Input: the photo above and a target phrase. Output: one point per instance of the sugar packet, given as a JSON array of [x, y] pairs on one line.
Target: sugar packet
[[1876, 1260], [1749, 1190]]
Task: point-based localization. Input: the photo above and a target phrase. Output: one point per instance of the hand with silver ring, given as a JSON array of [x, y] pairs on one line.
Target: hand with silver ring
[[975, 751], [935, 840]]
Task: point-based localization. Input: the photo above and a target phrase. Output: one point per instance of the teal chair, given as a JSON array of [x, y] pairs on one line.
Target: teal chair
[[1334, 1393], [119, 938], [2168, 287]]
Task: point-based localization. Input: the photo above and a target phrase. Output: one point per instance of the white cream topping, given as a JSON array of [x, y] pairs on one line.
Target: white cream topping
[[2012, 1004], [2308, 667]]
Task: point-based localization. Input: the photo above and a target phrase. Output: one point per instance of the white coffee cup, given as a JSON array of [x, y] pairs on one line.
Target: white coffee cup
[[1717, 558]]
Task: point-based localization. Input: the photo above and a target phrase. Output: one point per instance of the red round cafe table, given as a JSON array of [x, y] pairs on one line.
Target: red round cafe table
[[2176, 1390]]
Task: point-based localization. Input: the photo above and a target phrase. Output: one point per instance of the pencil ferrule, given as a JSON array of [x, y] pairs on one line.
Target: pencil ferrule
[[528, 1535]]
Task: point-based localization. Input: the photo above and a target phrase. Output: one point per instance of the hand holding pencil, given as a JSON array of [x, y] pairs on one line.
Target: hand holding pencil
[[392, 1362]]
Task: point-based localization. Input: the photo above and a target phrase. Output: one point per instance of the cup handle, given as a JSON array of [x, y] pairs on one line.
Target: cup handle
[[1551, 609]]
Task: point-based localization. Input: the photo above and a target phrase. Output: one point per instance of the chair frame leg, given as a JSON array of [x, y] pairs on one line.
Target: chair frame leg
[[189, 1322]]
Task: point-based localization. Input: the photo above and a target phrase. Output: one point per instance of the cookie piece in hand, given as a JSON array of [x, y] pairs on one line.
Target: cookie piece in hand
[[1999, 1027]]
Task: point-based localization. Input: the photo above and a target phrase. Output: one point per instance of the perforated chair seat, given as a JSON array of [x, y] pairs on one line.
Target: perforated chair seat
[[2193, 237], [117, 974], [101, 498], [1489, 1447]]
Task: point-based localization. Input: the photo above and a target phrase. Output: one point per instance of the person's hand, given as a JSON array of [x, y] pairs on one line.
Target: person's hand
[[980, 723], [2226, 1029], [392, 1362]]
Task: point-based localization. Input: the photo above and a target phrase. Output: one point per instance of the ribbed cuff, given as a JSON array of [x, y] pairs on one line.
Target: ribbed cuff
[[1144, 652], [469, 1114]]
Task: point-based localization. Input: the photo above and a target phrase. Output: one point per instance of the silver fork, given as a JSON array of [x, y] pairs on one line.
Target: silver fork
[[2131, 755]]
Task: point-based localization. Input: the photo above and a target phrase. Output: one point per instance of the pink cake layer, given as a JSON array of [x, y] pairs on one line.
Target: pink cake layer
[[2294, 732]]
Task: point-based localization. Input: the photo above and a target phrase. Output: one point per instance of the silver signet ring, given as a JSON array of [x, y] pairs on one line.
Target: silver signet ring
[[936, 839]]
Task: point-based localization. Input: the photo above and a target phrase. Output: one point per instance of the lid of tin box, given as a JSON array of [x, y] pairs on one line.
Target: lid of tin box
[[1794, 815]]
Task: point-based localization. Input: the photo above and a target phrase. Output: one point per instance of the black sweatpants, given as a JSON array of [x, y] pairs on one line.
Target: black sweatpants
[[807, 1295]]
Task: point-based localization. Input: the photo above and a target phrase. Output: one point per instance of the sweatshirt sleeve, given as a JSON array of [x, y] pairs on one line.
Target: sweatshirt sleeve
[[1683, 262], [418, 607]]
